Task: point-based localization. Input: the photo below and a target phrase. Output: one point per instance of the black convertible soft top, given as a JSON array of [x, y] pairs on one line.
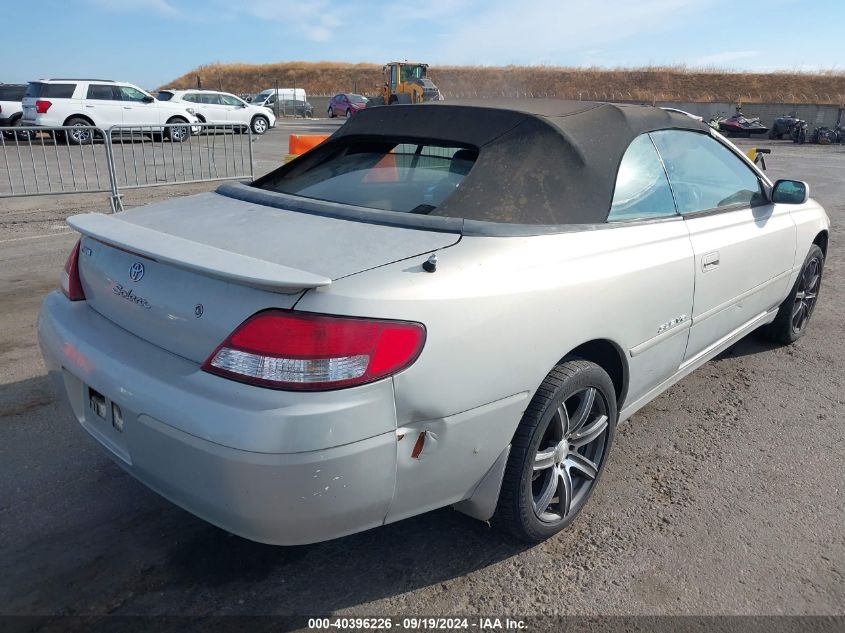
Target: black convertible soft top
[[540, 162]]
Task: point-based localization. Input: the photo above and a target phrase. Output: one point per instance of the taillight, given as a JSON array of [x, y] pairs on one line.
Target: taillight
[[42, 105], [71, 284], [309, 352]]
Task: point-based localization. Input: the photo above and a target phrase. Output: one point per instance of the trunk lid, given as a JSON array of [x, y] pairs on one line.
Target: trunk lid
[[185, 273]]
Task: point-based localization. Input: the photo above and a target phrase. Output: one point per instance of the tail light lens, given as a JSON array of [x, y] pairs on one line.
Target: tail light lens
[[71, 284], [42, 105], [309, 352]]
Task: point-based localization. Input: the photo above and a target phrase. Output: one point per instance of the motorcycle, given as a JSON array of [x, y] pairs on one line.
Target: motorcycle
[[740, 125], [798, 133], [823, 135], [783, 125]]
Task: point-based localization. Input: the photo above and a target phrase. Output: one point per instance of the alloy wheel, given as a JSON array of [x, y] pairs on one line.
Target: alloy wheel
[[260, 126], [79, 135], [569, 456], [178, 134], [808, 292]]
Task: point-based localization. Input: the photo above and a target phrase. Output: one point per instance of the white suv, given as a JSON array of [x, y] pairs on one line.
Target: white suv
[[216, 107], [102, 103]]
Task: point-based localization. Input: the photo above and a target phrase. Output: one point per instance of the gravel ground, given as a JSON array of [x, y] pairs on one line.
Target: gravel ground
[[723, 496]]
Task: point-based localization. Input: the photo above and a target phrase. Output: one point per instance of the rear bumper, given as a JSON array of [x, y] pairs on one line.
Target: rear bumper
[[279, 497]]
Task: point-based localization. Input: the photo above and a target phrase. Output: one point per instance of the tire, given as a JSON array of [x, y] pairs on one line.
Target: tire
[[403, 98], [331, 113], [773, 134], [81, 137], [178, 134], [373, 102], [542, 458], [794, 313], [260, 124], [24, 135], [802, 137]]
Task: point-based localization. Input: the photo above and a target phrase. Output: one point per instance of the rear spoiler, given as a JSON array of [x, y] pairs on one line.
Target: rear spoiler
[[201, 258]]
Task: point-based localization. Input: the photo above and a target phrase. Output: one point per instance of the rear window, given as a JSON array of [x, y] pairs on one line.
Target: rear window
[[12, 93], [36, 89], [407, 177]]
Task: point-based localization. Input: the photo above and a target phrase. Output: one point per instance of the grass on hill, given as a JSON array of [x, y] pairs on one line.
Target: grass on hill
[[674, 83]]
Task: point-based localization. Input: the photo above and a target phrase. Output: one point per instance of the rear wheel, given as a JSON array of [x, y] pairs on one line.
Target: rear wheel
[[331, 113], [794, 313], [79, 136], [23, 135], [558, 452], [177, 133]]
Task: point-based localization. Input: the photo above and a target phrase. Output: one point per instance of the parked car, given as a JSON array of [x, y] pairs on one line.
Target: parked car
[[346, 104], [102, 103], [269, 97], [211, 106], [296, 107], [684, 112], [439, 305], [11, 110]]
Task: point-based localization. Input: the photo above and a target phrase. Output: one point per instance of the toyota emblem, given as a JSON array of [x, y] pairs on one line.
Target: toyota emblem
[[136, 271]]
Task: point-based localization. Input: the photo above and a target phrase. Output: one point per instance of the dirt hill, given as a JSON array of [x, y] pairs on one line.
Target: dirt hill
[[634, 84]]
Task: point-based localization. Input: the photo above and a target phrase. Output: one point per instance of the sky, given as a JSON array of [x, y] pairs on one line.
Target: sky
[[149, 42]]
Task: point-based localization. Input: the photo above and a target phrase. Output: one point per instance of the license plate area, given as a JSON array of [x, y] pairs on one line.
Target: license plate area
[[98, 404], [104, 419]]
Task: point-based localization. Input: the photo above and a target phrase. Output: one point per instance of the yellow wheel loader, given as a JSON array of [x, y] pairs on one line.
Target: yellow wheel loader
[[405, 82]]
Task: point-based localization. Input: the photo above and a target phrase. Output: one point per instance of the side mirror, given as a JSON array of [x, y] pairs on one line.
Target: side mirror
[[790, 192], [148, 99]]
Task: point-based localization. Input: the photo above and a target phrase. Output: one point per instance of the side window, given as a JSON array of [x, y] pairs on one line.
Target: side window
[[229, 100], [58, 91], [642, 190], [131, 94], [704, 173], [100, 92]]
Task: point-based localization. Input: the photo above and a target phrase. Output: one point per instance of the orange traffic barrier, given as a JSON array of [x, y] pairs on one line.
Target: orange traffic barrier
[[301, 143]]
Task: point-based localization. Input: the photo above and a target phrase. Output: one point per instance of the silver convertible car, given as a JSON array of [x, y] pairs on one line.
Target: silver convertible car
[[442, 304]]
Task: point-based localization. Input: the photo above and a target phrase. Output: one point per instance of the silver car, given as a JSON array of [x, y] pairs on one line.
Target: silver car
[[443, 304]]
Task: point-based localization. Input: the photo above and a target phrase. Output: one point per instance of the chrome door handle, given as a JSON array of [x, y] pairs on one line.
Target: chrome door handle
[[710, 261], [127, 107], [88, 106]]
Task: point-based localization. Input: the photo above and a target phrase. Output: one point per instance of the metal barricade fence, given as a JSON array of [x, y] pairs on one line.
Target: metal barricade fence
[[39, 161], [46, 161]]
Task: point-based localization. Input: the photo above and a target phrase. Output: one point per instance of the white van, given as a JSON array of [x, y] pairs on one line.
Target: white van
[[269, 97]]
